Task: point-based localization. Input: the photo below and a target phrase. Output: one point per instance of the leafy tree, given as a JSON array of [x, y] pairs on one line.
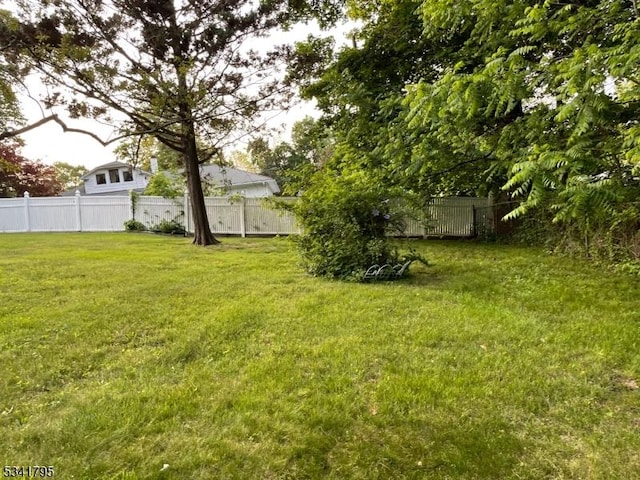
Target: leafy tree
[[10, 75], [165, 185], [293, 164], [361, 88], [177, 72], [19, 175], [528, 91], [69, 175], [536, 99]]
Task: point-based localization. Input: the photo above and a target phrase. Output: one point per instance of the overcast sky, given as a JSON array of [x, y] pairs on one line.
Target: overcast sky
[[49, 143]]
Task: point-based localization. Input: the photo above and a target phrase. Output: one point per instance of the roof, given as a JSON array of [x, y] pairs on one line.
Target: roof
[[111, 165], [229, 176]]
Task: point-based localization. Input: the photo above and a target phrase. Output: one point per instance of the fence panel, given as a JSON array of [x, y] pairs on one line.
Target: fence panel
[[51, 214], [153, 210], [260, 218], [225, 215], [450, 220], [456, 217], [104, 214], [12, 215]]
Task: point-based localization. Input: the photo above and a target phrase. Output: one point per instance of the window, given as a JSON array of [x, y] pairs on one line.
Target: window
[[127, 176], [114, 176], [101, 178]]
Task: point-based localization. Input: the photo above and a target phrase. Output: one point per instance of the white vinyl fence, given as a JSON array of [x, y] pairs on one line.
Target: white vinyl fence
[[451, 217]]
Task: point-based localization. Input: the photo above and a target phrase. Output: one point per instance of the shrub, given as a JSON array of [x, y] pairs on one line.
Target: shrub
[[345, 221], [172, 227], [134, 226]]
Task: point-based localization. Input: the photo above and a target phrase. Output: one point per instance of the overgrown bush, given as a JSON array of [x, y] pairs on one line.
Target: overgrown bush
[[345, 221], [134, 226], [611, 238], [172, 227]]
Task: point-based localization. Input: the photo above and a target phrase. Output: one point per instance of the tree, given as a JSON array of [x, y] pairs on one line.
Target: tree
[[361, 89], [19, 175], [538, 100], [178, 72], [10, 75], [70, 176], [537, 89], [292, 164], [165, 185]]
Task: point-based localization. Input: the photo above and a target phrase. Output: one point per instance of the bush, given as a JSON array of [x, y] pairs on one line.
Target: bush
[[134, 226], [345, 220], [171, 227]]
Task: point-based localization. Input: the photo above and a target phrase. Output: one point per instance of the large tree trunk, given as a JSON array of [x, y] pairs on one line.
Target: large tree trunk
[[201, 230]]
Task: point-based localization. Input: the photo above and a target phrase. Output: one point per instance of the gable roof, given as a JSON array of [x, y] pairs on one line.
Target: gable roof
[[111, 165], [229, 176]]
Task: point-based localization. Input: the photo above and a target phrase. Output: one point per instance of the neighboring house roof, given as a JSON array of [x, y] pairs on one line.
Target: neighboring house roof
[[108, 166], [229, 176]]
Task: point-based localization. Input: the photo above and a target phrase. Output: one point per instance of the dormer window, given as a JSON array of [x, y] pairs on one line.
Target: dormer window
[[127, 176], [114, 176], [101, 179]]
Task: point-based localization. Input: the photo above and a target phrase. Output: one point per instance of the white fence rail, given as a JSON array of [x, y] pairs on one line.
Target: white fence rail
[[454, 217]]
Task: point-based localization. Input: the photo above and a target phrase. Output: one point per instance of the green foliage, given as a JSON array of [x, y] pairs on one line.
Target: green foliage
[[134, 226], [69, 175], [539, 100], [163, 185], [292, 164], [11, 76], [345, 220], [169, 227]]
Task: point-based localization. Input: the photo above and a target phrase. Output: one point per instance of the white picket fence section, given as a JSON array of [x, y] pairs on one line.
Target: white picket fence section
[[450, 217]]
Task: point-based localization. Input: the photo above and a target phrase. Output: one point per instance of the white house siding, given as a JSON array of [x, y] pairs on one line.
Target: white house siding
[[253, 190], [140, 180]]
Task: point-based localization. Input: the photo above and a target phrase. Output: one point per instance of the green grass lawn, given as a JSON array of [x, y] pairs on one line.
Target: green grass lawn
[[130, 356]]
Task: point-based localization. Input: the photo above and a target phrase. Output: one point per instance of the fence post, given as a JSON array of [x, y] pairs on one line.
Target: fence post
[[27, 216], [78, 216], [243, 223]]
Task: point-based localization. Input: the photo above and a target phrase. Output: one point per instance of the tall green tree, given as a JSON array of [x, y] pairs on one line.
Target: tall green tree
[[69, 175], [537, 99], [291, 164], [546, 90], [175, 70], [10, 76]]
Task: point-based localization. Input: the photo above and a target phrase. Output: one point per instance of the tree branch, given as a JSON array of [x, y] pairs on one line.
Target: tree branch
[[65, 128]]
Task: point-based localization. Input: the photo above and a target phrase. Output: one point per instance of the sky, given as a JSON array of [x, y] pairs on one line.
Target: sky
[[48, 143]]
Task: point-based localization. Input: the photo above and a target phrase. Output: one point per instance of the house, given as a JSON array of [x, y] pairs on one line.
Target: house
[[233, 181], [115, 178]]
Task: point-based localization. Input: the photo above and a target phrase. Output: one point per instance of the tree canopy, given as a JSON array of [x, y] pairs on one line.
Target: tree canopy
[[537, 100]]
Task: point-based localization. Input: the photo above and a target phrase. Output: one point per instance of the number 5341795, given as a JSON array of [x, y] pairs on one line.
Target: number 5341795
[[29, 471]]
